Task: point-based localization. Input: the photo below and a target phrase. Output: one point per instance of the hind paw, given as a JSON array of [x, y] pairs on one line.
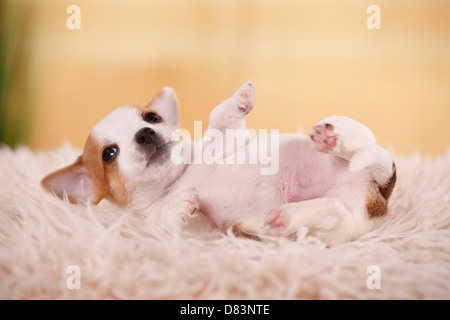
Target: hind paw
[[324, 137], [275, 223]]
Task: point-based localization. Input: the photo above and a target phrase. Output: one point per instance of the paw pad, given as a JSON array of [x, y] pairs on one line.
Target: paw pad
[[324, 137]]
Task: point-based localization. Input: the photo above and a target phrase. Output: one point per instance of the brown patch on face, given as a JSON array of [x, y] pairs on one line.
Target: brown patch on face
[[107, 180], [149, 108], [377, 204]]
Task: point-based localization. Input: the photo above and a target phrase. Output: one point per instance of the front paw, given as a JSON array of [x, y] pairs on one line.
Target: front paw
[[230, 114], [189, 205], [244, 97]]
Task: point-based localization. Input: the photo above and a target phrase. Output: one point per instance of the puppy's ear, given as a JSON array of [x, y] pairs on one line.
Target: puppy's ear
[[166, 104], [74, 181]]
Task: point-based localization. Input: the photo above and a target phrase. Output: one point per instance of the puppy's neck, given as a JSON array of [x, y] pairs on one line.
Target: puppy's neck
[[148, 194]]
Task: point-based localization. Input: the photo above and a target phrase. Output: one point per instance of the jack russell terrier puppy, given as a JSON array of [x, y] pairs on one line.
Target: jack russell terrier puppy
[[335, 182]]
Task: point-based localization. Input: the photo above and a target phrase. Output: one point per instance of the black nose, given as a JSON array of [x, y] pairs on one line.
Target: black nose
[[145, 136]]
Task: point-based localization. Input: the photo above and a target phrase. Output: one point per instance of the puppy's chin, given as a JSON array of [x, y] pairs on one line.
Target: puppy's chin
[[159, 167], [158, 155]]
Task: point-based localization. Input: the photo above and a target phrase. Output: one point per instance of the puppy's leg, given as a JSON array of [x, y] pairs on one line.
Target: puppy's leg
[[230, 114], [180, 208], [354, 142], [327, 218], [341, 136]]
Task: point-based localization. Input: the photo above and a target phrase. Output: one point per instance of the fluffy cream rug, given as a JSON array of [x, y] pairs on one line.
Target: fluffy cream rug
[[49, 248]]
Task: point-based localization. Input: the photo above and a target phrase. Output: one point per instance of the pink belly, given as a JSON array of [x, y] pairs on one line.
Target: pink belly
[[306, 173]]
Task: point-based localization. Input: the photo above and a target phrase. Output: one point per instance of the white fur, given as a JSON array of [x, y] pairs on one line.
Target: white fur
[[361, 136], [336, 182], [119, 127], [122, 255]]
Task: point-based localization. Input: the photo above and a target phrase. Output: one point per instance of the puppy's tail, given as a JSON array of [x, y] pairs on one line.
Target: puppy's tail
[[380, 163]]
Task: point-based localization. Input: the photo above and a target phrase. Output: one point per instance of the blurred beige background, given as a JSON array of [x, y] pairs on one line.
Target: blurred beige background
[[310, 59]]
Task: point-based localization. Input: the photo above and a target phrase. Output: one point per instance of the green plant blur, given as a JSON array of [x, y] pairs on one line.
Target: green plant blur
[[14, 70]]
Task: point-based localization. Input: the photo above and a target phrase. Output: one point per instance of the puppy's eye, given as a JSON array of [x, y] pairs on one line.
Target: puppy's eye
[[152, 117], [110, 153]]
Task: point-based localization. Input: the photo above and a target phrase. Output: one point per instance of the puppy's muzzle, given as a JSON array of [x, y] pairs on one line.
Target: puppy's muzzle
[[145, 136], [151, 144]]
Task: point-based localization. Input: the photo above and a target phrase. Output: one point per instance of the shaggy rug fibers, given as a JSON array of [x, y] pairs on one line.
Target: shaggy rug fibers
[[48, 247]]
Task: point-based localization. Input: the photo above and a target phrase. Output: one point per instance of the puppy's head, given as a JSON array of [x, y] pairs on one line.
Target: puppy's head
[[130, 145]]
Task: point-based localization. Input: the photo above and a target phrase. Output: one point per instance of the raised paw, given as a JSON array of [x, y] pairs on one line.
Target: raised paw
[[244, 97], [230, 113], [189, 205], [341, 136], [324, 137]]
